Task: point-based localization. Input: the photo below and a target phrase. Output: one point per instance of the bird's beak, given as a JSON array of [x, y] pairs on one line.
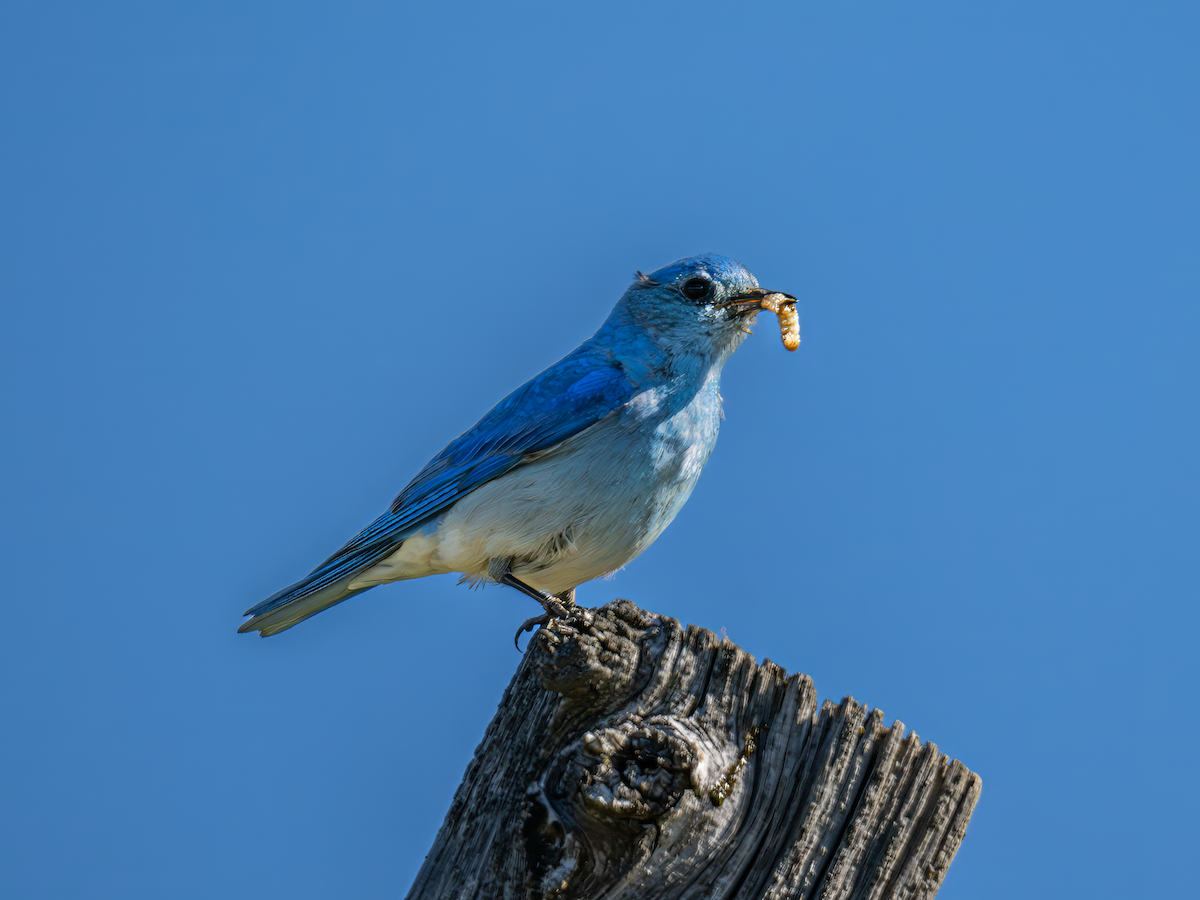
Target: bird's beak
[[751, 301]]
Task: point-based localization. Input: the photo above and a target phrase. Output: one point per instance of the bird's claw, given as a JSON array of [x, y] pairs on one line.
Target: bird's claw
[[528, 625], [556, 608]]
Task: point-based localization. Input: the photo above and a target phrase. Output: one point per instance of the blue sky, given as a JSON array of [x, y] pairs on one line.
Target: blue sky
[[259, 262]]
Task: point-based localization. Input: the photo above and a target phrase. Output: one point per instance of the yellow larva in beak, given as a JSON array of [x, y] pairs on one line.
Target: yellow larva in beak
[[784, 308]]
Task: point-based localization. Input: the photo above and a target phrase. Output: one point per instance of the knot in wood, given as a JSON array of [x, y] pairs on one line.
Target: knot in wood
[[635, 770]]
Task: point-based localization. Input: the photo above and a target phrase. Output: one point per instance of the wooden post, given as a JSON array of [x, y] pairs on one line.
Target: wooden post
[[633, 758]]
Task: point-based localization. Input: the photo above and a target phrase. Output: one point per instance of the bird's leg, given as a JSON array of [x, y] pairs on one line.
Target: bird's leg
[[500, 570], [551, 604]]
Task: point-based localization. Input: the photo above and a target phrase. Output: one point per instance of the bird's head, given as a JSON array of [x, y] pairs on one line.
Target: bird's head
[[701, 305]]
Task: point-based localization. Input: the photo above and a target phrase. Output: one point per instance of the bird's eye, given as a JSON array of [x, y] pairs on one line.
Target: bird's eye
[[696, 288]]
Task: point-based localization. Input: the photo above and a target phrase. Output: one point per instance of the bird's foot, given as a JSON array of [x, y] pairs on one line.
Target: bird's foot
[[569, 615], [555, 607]]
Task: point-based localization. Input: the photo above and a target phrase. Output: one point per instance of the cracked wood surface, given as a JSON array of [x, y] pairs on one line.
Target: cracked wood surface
[[633, 758]]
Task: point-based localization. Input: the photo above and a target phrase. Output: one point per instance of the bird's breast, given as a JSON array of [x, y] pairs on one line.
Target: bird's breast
[[590, 505]]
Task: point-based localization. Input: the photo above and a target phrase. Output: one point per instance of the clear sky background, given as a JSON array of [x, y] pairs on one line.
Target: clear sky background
[[259, 262]]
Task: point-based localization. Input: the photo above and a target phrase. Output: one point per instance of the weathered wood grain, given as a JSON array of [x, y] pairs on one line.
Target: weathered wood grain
[[633, 758]]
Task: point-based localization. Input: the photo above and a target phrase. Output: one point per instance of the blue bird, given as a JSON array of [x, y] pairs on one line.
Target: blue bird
[[572, 475]]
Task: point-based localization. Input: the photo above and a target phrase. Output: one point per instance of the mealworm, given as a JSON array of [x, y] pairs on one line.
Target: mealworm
[[789, 319]]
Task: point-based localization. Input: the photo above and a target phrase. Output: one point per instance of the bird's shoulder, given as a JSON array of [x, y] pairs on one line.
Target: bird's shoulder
[[578, 389]]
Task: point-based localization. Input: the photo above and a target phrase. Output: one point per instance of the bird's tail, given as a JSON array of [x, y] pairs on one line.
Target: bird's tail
[[292, 605]]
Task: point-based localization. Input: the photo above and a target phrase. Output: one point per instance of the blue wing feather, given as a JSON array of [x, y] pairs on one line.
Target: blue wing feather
[[562, 401]]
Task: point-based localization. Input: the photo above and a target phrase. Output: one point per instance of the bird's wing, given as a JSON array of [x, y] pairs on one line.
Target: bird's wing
[[571, 395]]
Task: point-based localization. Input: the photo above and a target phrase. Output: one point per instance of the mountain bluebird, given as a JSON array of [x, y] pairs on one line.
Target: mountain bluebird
[[573, 474]]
